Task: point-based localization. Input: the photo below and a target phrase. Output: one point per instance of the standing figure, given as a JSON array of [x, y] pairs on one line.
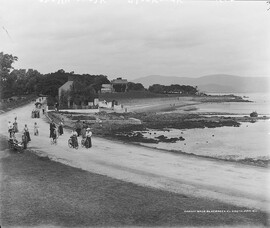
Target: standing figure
[[54, 137], [88, 143], [78, 127], [83, 131], [15, 125], [26, 132], [74, 138], [60, 128], [36, 129], [56, 107], [52, 128], [10, 129]]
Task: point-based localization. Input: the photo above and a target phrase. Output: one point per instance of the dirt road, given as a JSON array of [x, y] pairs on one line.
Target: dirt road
[[233, 183]]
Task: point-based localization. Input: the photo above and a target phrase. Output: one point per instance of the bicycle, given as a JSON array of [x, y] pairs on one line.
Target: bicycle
[[15, 145], [53, 141], [54, 138], [73, 145], [85, 143]]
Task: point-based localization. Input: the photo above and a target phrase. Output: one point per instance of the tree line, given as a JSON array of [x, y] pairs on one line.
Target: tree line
[[17, 82], [174, 88]]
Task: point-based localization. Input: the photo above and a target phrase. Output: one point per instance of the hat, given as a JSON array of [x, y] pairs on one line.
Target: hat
[[88, 129]]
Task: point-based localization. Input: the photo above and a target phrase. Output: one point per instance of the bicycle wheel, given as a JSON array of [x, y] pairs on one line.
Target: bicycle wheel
[[20, 149], [82, 142], [70, 143], [76, 146], [87, 144]]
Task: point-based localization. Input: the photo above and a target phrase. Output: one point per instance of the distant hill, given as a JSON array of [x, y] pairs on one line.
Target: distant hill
[[213, 83]]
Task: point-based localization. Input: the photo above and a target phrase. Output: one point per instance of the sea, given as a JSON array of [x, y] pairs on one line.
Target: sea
[[249, 141]]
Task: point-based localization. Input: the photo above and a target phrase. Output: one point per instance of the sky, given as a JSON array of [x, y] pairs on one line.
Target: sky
[[137, 38]]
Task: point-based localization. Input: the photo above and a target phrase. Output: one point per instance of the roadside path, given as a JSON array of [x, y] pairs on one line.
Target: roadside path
[[237, 184]]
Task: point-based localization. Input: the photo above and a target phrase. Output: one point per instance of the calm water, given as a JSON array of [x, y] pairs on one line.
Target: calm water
[[250, 140], [260, 104]]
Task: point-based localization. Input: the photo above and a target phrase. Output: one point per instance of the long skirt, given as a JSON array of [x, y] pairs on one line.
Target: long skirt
[[36, 131], [60, 129], [51, 132], [28, 136], [89, 141], [15, 126]]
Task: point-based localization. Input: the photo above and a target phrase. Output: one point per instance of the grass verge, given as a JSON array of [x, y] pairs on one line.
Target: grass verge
[[37, 191], [4, 107]]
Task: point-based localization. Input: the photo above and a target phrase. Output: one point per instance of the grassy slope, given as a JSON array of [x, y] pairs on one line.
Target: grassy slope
[[37, 191]]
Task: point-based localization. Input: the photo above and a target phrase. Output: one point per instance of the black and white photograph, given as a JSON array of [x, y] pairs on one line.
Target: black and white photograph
[[134, 113]]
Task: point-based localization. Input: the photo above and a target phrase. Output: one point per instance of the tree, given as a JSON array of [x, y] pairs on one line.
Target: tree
[[81, 93], [6, 62], [97, 82], [135, 86], [156, 88], [175, 88]]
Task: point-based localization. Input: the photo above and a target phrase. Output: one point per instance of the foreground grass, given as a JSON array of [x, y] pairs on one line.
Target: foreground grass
[[37, 191]]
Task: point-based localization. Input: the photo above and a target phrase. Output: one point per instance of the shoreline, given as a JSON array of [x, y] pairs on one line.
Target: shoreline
[[247, 162], [112, 123]]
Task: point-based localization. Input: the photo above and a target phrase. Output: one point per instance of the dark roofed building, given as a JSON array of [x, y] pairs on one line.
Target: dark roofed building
[[119, 84]]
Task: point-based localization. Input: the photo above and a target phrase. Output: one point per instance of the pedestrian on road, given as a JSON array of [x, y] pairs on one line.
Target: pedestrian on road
[[52, 128], [88, 138], [36, 129], [60, 128], [15, 125], [27, 134], [83, 131], [78, 127], [74, 138], [10, 129]]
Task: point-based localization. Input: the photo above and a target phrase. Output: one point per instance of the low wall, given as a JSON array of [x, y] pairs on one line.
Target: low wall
[[118, 107], [85, 111], [103, 104]]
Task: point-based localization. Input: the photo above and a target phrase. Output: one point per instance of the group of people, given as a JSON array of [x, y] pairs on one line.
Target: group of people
[[13, 128], [86, 136], [56, 130], [35, 113]]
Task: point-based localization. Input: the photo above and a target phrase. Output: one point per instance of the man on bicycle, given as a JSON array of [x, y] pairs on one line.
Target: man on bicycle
[[73, 137]]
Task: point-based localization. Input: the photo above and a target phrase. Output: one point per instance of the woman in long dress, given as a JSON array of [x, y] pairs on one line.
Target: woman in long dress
[[35, 129], [26, 131], [60, 128], [15, 125]]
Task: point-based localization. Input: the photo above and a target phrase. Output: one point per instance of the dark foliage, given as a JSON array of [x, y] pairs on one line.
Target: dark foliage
[[178, 89]]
